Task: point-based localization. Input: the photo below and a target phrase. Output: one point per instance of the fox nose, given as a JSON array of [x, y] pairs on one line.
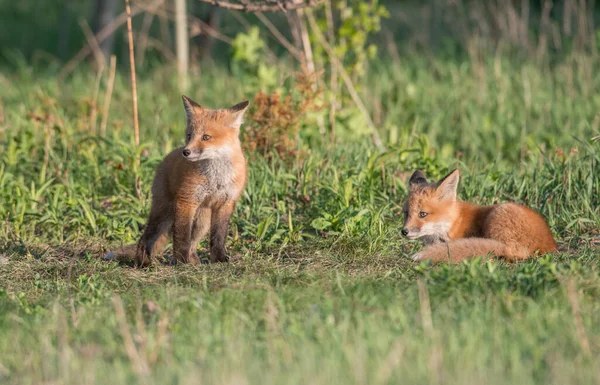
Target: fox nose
[[404, 232], [186, 152]]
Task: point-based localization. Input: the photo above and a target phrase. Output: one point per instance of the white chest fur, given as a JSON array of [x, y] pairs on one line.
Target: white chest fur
[[220, 183]]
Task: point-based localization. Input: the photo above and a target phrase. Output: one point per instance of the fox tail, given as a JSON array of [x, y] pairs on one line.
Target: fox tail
[[465, 248], [125, 253]]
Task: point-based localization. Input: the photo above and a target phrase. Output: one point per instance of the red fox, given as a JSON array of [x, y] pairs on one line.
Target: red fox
[[196, 187], [454, 231]]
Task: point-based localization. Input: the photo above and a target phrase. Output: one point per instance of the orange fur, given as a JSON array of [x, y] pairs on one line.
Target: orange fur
[[455, 230], [196, 187]]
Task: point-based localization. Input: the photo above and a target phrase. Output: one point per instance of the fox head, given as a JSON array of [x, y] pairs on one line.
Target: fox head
[[428, 211], [209, 133]]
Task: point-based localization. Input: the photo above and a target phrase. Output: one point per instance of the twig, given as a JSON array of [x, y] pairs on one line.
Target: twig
[[161, 48], [143, 40], [94, 111], [308, 54], [576, 310], [160, 338], [333, 80], [140, 365], [287, 6], [100, 36], [108, 96], [284, 42], [347, 81], [133, 82], [62, 336], [136, 127], [435, 358], [93, 43], [197, 26], [391, 362], [182, 44]]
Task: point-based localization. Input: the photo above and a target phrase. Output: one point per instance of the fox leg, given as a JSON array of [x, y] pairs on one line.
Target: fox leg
[[200, 227], [182, 232], [218, 231], [155, 236], [460, 250]]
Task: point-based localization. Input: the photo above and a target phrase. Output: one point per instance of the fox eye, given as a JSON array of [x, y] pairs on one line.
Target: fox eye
[[422, 214], [405, 213], [205, 137], [188, 136]]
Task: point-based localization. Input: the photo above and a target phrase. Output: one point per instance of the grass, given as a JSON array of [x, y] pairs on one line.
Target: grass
[[321, 289]]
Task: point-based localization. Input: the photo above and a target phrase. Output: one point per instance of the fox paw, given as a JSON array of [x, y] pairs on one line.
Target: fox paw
[[109, 256], [418, 257]]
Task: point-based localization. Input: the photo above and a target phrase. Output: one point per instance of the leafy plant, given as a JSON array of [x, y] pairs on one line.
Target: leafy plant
[[274, 120]]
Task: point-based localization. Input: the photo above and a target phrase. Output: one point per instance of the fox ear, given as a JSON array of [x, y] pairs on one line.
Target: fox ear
[[191, 107], [417, 178], [447, 186], [237, 114]]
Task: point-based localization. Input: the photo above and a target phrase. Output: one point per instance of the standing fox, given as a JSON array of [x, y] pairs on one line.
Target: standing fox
[[196, 187], [454, 231]]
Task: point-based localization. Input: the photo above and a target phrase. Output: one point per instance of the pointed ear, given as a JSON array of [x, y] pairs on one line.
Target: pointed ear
[[191, 107], [447, 186], [237, 114], [417, 178]]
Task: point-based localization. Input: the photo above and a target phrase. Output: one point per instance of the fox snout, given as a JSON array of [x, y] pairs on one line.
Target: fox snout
[[192, 154], [411, 233]]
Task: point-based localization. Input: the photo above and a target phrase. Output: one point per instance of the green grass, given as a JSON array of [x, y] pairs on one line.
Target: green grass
[[321, 289]]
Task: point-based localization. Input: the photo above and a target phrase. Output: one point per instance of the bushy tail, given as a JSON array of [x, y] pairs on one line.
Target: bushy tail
[[124, 253], [465, 248]]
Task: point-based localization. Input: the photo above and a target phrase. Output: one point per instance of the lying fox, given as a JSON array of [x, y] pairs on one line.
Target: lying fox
[[454, 231], [196, 188]]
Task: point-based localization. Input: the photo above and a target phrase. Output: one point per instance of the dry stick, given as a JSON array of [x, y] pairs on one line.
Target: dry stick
[[62, 331], [333, 80], [197, 26], [579, 327], [161, 337], [203, 28], [286, 6], [284, 42], [133, 83], [94, 111], [108, 96], [182, 44], [308, 54], [140, 365], [347, 81], [47, 147], [93, 43], [146, 24], [391, 362], [435, 359], [309, 60], [136, 127], [100, 36], [143, 40], [161, 48], [142, 334]]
